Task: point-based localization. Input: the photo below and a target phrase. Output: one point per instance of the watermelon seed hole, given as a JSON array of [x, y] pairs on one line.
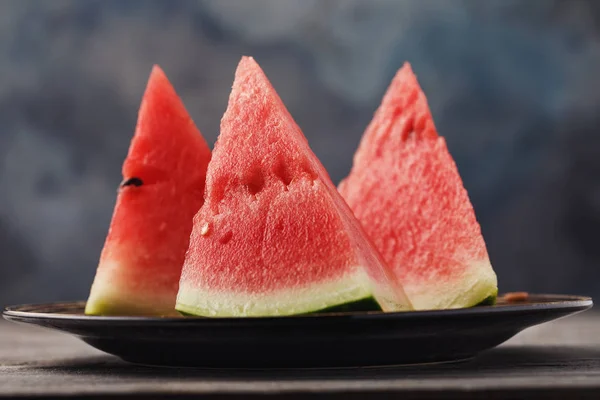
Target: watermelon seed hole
[[256, 182], [283, 174], [226, 238], [308, 170]]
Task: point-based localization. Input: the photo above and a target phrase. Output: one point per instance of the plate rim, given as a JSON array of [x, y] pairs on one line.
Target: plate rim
[[558, 301]]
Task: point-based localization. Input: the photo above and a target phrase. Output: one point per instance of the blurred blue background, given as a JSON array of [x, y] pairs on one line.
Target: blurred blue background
[[513, 86]]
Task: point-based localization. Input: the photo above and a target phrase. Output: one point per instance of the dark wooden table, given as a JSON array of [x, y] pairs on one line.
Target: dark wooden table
[[558, 360]]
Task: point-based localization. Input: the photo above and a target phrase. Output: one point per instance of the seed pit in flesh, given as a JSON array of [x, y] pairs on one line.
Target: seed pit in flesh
[[308, 169], [283, 174], [226, 238], [256, 182]]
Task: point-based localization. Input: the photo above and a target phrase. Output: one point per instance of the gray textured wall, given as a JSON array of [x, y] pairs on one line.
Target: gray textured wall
[[512, 84]]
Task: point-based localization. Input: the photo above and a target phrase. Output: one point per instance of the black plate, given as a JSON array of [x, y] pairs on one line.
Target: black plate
[[318, 340]]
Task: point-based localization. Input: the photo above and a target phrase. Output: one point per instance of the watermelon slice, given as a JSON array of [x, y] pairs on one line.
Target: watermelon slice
[[274, 236], [164, 176], [406, 190]]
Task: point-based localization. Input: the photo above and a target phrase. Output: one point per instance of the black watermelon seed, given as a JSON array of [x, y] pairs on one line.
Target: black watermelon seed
[[132, 182]]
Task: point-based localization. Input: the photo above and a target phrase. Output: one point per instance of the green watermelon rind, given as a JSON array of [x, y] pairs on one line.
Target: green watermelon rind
[[365, 305], [332, 297], [477, 285], [354, 289], [488, 301], [485, 293], [369, 304], [124, 307]]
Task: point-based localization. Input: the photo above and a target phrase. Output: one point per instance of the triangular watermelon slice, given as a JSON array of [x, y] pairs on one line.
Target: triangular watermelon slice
[[274, 236], [164, 176], [406, 190]]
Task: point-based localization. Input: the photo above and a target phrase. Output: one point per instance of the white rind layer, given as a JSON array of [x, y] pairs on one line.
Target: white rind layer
[[205, 302], [109, 297], [478, 282]]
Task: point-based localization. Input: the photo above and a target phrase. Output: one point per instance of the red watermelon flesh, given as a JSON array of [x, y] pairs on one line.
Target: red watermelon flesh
[[163, 184], [274, 236], [406, 190]]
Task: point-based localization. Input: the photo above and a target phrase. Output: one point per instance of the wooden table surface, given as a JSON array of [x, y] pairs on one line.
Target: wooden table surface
[[560, 359]]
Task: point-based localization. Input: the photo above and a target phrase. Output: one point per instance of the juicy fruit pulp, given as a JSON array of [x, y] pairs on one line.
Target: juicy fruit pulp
[[163, 184], [274, 236], [405, 189]]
